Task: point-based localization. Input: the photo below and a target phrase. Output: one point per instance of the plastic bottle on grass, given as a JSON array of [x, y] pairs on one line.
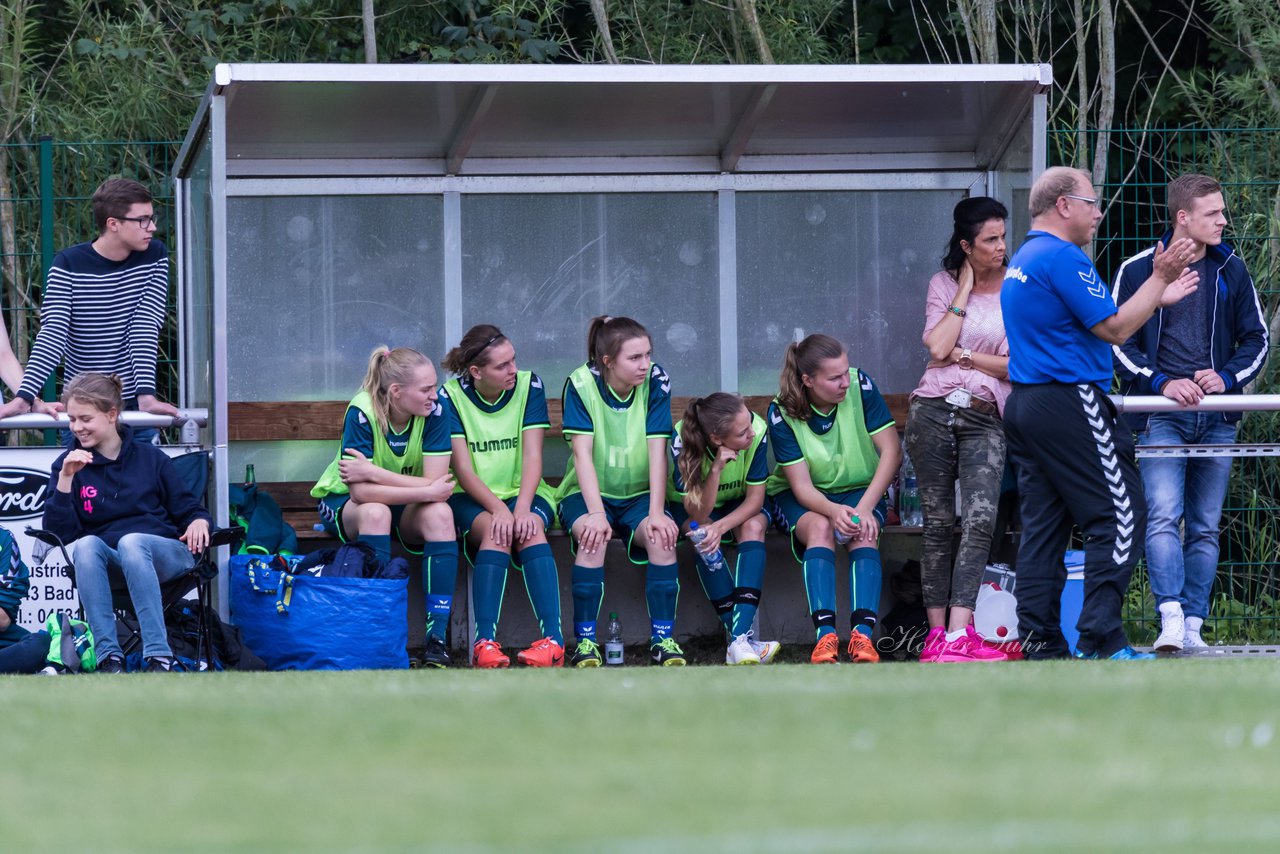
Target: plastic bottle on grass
[[613, 641], [714, 560]]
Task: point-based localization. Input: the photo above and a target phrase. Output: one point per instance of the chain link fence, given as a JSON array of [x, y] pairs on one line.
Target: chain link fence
[[1246, 161], [45, 189]]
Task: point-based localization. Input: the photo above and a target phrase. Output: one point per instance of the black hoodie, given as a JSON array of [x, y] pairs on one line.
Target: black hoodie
[[140, 492]]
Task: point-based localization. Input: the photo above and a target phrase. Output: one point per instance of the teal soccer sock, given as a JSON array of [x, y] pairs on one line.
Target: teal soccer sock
[[588, 590], [864, 589], [718, 586], [488, 582], [820, 586], [661, 590], [439, 576], [542, 583], [749, 579], [380, 543]]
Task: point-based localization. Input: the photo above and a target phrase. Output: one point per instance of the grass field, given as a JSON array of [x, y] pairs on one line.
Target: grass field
[[1063, 756]]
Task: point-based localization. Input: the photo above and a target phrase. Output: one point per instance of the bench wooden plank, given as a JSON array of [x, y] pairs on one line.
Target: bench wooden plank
[[282, 421]]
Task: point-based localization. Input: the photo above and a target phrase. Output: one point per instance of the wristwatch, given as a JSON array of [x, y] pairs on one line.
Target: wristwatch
[[966, 359]]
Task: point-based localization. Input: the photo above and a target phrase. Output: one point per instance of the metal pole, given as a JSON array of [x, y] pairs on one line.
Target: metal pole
[[46, 248], [1210, 403]]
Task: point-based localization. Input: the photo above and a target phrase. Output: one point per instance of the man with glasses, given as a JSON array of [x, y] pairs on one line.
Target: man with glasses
[[1073, 462], [1213, 342], [104, 304]]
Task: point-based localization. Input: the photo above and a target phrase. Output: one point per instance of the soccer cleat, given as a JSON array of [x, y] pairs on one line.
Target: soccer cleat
[[1173, 628], [767, 650], [826, 650], [933, 643], [861, 649], [436, 654], [586, 654], [1125, 653], [543, 653], [741, 652], [666, 653], [111, 664], [161, 664], [486, 653]]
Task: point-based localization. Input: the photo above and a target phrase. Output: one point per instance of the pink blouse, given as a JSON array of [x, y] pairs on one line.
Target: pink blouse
[[982, 332]]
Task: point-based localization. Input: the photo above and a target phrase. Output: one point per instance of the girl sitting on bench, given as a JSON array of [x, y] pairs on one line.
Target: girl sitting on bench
[[392, 473], [501, 507]]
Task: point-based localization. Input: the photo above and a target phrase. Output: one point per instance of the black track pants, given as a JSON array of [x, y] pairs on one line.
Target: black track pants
[[1074, 464]]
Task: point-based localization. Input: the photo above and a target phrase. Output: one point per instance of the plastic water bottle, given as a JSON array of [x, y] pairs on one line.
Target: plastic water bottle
[[909, 498], [714, 560], [613, 641], [841, 539]]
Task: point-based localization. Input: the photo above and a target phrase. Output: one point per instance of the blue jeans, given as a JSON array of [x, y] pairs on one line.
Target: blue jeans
[[1180, 489], [145, 561]]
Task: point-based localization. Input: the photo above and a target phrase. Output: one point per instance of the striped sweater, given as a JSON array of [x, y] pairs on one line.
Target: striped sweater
[[101, 315]]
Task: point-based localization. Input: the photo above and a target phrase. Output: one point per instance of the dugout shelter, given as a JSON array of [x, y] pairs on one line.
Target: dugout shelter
[[326, 209]]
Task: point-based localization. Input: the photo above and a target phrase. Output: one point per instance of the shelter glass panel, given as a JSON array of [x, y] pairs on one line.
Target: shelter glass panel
[[541, 266], [1013, 184], [854, 265], [314, 283], [198, 209]]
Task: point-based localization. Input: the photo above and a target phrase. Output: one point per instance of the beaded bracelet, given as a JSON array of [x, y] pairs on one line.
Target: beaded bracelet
[[958, 312]]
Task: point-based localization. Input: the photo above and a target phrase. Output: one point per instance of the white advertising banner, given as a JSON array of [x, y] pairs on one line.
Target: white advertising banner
[[24, 481]]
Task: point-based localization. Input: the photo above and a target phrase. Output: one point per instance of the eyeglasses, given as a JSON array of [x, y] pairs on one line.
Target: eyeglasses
[[142, 221], [1085, 199]]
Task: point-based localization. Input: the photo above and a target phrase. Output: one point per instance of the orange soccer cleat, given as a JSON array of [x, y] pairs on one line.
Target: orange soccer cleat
[[861, 649], [487, 653], [543, 653], [826, 650]]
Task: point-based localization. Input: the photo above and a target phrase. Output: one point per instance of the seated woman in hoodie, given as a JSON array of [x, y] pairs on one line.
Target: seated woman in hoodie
[[125, 510]]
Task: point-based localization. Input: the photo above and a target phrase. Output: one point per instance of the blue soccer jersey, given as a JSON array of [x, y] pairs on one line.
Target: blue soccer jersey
[[658, 415], [757, 466], [1052, 296], [357, 433], [535, 405], [875, 417]]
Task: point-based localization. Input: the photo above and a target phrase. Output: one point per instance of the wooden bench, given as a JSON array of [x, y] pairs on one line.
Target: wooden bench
[[278, 421]]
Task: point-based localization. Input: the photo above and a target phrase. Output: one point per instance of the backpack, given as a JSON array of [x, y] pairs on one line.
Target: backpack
[[266, 532], [351, 560], [70, 644]]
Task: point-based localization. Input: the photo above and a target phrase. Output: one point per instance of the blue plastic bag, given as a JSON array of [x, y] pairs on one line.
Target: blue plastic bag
[[299, 622]]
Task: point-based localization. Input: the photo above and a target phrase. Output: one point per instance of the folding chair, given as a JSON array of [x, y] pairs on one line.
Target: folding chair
[[194, 468], [173, 593]]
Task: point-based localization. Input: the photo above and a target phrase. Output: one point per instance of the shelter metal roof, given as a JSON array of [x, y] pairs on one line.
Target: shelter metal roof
[[562, 119]]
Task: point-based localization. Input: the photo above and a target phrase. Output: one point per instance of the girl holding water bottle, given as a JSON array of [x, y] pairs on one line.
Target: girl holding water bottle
[[617, 419], [720, 450], [837, 454]]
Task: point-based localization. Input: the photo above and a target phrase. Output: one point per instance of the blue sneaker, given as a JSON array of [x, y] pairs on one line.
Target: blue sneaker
[[1128, 653], [1125, 653]]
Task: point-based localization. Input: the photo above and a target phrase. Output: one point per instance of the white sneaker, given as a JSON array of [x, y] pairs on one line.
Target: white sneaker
[[741, 652], [1173, 628], [767, 650], [1193, 640]]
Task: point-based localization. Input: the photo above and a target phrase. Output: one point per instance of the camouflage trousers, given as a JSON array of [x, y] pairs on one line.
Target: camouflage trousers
[[949, 445]]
